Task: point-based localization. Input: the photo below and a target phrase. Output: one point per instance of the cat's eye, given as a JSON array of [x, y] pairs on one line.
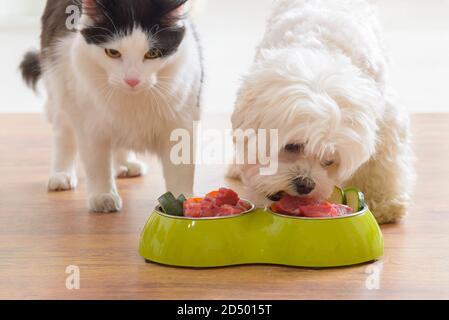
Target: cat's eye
[[294, 148], [114, 54], [154, 53]]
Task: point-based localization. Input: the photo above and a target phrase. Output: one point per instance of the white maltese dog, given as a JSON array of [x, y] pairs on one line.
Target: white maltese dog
[[321, 78]]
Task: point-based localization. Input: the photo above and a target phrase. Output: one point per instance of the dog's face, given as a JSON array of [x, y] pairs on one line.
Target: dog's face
[[326, 116], [308, 171], [299, 173]]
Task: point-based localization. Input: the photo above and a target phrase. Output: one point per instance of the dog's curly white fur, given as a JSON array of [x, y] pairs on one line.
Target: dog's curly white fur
[[321, 78]]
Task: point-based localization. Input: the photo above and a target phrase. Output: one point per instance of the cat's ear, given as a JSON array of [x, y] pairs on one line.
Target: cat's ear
[[177, 11], [91, 10]]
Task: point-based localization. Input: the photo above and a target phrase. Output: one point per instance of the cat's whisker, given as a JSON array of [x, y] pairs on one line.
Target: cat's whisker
[[163, 99], [165, 29], [155, 104], [160, 99], [169, 99], [156, 26], [169, 92]]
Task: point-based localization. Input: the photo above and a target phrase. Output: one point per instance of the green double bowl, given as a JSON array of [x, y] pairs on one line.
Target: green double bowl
[[261, 237]]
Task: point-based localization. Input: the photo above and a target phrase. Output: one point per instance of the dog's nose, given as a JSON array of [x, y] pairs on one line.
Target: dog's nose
[[304, 185]]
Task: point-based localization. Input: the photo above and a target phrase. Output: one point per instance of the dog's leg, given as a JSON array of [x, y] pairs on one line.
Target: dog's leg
[[63, 172], [387, 179], [96, 155], [126, 164]]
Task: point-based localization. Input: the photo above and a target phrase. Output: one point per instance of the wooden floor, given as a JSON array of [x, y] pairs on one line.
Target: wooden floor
[[42, 233]]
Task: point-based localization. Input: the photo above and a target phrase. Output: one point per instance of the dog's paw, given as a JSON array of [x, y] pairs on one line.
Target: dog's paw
[[131, 169], [389, 212], [105, 203], [62, 181]]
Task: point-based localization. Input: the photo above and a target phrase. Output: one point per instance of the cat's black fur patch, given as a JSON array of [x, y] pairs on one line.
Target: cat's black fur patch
[[118, 17]]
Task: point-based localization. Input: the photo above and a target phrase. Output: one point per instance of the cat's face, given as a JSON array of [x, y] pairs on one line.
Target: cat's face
[[132, 40], [131, 63]]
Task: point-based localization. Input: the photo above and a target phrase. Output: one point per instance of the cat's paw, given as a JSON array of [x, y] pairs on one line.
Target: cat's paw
[[131, 169], [105, 203], [62, 181]]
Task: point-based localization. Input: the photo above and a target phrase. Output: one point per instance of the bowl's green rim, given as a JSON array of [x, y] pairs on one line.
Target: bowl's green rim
[[253, 207], [355, 214], [267, 209]]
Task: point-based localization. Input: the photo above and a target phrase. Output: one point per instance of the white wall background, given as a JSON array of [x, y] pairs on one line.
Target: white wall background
[[417, 34]]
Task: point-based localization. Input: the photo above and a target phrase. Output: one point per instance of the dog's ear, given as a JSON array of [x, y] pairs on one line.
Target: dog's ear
[[245, 100]]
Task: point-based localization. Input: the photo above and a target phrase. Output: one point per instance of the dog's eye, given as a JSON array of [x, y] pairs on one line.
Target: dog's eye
[[294, 148], [276, 197], [328, 163]]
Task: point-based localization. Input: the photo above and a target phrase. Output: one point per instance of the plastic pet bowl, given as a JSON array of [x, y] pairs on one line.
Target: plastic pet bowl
[[261, 237]]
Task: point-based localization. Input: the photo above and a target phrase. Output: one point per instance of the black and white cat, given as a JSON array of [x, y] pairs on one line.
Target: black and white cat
[[127, 76]]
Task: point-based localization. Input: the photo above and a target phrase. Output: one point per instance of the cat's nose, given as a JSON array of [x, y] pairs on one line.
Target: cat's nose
[[132, 82], [304, 185]]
